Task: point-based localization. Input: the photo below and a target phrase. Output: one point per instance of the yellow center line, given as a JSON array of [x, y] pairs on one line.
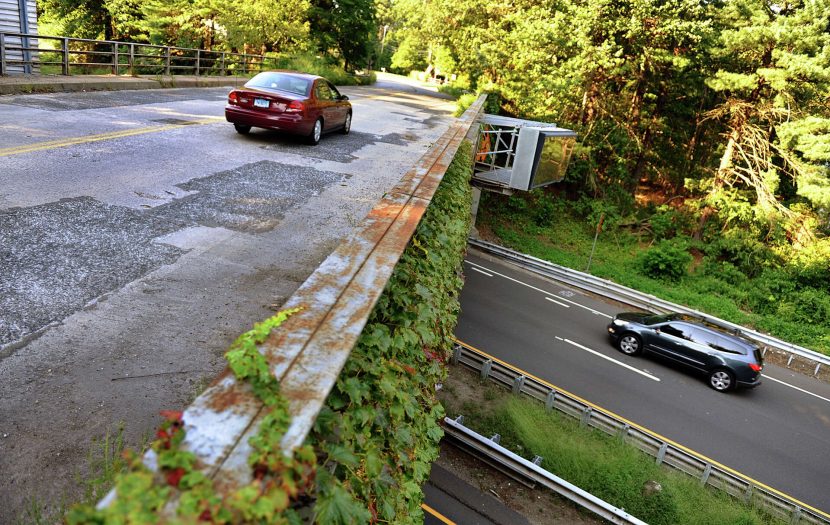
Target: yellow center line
[[647, 431], [437, 514], [62, 143]]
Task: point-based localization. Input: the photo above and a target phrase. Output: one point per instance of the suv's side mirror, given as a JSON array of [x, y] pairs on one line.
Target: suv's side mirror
[[344, 97]]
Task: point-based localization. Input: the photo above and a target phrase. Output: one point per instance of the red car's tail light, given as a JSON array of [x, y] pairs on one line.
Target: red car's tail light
[[233, 97], [295, 106], [755, 368]]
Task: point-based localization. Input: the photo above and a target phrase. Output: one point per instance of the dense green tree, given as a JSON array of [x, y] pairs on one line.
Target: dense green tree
[[278, 25], [83, 19], [410, 36], [345, 29], [773, 75], [185, 23]]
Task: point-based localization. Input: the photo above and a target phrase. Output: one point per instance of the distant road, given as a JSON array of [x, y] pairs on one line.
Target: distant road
[[777, 434], [140, 234]]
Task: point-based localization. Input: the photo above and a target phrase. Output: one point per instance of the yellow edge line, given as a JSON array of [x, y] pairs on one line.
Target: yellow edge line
[[437, 514], [61, 143], [646, 430]]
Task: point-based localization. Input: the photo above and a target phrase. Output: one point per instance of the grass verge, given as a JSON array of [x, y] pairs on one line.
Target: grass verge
[[590, 459]]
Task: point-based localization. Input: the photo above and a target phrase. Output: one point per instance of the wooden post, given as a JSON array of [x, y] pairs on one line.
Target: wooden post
[[65, 49]]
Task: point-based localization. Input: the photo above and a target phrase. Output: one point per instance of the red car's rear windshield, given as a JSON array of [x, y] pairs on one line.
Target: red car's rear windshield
[[281, 81]]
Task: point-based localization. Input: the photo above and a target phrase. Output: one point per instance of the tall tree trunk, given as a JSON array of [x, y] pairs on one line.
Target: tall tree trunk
[[589, 104], [720, 178], [726, 160]]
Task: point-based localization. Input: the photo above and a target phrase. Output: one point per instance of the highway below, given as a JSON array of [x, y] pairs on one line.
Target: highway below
[[777, 434]]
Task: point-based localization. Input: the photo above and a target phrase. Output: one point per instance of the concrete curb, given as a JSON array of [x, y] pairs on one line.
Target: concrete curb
[[21, 84]]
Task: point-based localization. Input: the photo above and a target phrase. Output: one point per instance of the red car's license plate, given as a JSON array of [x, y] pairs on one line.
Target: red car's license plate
[[260, 103]]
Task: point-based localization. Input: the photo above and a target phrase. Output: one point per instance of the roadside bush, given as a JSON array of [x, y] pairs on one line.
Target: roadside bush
[[463, 102], [451, 90], [491, 105], [545, 207], [807, 305], [724, 271], [667, 223], [667, 260], [741, 249], [614, 210], [811, 266], [309, 63], [767, 290]]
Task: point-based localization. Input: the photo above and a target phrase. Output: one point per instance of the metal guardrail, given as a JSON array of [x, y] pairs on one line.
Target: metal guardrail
[[455, 429], [627, 295], [664, 451], [27, 52], [307, 352]]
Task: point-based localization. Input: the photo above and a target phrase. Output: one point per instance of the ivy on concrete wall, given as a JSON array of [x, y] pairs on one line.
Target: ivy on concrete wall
[[379, 432]]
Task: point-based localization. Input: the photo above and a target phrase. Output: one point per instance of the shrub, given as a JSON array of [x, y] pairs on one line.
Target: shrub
[[811, 265], [545, 207], [309, 63], [807, 305], [453, 90], [741, 249], [668, 222], [723, 271], [667, 260], [463, 102]]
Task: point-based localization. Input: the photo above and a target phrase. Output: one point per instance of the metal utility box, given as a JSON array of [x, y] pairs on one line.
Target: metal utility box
[[516, 154]]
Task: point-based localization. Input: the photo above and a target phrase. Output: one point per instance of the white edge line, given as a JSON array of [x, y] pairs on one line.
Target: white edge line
[[655, 378], [474, 265], [483, 272], [557, 302], [796, 388]]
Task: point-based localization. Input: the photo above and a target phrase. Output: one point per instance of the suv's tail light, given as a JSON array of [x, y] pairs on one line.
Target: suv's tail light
[[233, 98], [295, 106], [755, 368]]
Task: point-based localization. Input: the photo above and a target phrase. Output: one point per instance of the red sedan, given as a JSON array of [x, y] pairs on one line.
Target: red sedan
[[296, 103]]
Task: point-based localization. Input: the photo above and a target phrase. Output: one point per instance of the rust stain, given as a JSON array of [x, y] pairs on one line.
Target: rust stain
[[235, 396]]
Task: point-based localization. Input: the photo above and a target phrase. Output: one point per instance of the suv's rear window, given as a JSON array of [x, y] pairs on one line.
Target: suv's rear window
[[718, 342]]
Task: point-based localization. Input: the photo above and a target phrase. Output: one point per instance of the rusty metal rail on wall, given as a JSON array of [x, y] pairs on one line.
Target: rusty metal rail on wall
[[667, 453], [307, 352]]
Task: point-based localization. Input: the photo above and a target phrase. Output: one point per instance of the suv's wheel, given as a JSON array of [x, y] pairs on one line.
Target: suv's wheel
[[242, 130], [630, 344], [722, 380], [316, 132]]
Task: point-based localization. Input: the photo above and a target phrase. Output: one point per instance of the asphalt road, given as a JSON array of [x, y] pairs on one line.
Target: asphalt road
[[139, 235], [778, 434]]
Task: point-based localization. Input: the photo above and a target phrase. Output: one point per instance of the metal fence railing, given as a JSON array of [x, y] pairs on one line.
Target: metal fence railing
[[504, 458], [307, 352], [21, 52], [665, 452], [643, 301]]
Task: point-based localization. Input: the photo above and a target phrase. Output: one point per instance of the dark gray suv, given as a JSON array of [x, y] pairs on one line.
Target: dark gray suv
[[728, 359]]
